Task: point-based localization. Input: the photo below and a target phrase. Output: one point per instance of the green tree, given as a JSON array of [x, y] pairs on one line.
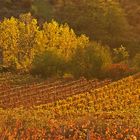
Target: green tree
[[136, 61], [90, 61], [48, 64]]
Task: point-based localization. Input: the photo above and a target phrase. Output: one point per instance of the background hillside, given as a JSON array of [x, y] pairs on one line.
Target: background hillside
[[111, 25], [125, 12]]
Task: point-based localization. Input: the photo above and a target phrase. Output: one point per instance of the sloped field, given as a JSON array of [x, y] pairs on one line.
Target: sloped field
[[110, 112], [13, 94]]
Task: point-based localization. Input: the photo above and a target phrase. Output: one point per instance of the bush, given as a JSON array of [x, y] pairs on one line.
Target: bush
[[49, 64], [118, 71], [120, 54], [90, 61], [136, 61]]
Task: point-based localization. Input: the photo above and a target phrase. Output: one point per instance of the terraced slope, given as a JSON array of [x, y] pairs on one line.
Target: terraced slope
[[111, 112], [119, 96], [43, 92]]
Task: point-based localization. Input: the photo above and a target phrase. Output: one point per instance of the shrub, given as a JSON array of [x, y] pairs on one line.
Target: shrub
[[136, 61], [48, 64], [120, 54], [118, 71], [90, 61]]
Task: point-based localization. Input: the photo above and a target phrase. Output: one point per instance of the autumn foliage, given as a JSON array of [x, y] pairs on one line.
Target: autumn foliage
[[21, 39], [104, 113]]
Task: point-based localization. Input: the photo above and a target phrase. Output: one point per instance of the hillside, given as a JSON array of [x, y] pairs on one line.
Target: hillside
[[124, 30], [111, 111], [132, 10], [14, 8], [22, 92], [69, 70]]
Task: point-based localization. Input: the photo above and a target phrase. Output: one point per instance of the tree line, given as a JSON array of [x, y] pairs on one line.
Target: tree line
[[109, 41]]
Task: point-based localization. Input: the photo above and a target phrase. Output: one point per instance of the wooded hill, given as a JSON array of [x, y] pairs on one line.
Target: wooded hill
[[119, 26]]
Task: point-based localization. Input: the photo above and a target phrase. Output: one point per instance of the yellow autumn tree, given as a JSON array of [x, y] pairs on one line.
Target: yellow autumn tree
[[61, 38], [9, 34], [22, 39], [17, 41], [28, 31]]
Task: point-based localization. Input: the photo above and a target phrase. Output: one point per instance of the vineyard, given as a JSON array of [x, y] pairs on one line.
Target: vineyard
[[43, 92], [69, 109], [69, 70]]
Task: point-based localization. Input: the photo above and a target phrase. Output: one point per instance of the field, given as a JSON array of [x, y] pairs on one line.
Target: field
[[17, 93], [36, 109], [69, 70]]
